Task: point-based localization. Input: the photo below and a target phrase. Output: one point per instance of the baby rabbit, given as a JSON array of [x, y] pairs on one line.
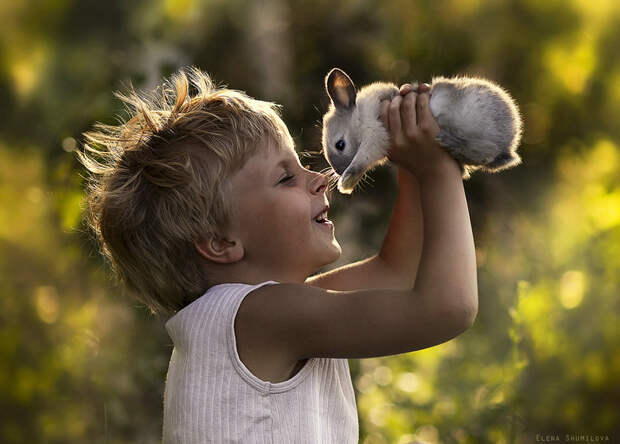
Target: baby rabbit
[[479, 125]]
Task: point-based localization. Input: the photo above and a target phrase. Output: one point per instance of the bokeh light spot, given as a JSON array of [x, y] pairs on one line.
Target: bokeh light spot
[[46, 301], [572, 288], [572, 62], [69, 144], [428, 433], [383, 375], [408, 382]]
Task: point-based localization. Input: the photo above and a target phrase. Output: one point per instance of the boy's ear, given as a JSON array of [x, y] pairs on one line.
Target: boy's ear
[[218, 249], [340, 89]]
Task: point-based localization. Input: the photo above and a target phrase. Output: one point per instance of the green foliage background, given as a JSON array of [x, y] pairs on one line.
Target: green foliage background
[[80, 362]]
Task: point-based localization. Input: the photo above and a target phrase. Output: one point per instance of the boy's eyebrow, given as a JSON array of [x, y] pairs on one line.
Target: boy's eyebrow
[[283, 163]]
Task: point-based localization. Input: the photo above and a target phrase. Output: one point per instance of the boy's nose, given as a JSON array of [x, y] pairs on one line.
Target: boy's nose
[[319, 183]]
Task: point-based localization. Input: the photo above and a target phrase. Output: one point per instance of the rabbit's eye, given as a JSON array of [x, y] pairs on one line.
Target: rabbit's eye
[[340, 145]]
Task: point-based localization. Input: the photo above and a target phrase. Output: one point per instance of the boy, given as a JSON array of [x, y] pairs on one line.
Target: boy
[[205, 213]]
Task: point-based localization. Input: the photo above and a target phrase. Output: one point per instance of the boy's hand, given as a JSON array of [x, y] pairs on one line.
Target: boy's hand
[[412, 130]]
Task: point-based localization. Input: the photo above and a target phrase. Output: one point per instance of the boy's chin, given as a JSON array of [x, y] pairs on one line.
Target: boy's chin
[[328, 254], [327, 259], [335, 252]]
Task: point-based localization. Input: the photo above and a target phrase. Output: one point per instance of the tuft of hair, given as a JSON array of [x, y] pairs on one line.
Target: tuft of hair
[[158, 181]]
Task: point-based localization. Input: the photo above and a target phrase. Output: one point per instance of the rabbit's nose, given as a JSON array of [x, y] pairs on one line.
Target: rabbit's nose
[[339, 167]]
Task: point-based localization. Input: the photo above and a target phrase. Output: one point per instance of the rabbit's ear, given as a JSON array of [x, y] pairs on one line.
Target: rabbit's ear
[[340, 89]]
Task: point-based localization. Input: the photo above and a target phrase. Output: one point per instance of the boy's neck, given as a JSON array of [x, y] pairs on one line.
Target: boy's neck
[[240, 273]]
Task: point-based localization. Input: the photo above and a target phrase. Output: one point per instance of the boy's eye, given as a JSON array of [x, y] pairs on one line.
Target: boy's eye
[[286, 179]]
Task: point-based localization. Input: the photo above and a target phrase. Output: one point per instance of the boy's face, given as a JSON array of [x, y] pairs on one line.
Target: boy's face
[[275, 202]]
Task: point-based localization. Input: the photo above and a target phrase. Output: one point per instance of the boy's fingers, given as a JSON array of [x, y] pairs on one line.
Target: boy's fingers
[[408, 113], [406, 89], [394, 116], [425, 118], [424, 87]]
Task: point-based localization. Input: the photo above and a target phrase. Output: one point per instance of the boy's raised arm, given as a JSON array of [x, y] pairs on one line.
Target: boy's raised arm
[[448, 262]]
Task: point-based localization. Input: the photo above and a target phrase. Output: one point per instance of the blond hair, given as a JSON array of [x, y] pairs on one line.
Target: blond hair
[[158, 181]]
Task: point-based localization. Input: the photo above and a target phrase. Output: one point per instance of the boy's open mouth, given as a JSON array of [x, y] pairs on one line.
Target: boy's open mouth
[[321, 218]]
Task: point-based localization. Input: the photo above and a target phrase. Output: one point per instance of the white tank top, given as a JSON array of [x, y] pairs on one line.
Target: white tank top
[[211, 396]]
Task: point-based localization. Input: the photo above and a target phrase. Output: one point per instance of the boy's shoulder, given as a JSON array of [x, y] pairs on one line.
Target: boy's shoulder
[[267, 359]]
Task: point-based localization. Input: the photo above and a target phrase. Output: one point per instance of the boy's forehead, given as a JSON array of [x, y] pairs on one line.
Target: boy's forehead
[[271, 156], [287, 151], [262, 165]]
